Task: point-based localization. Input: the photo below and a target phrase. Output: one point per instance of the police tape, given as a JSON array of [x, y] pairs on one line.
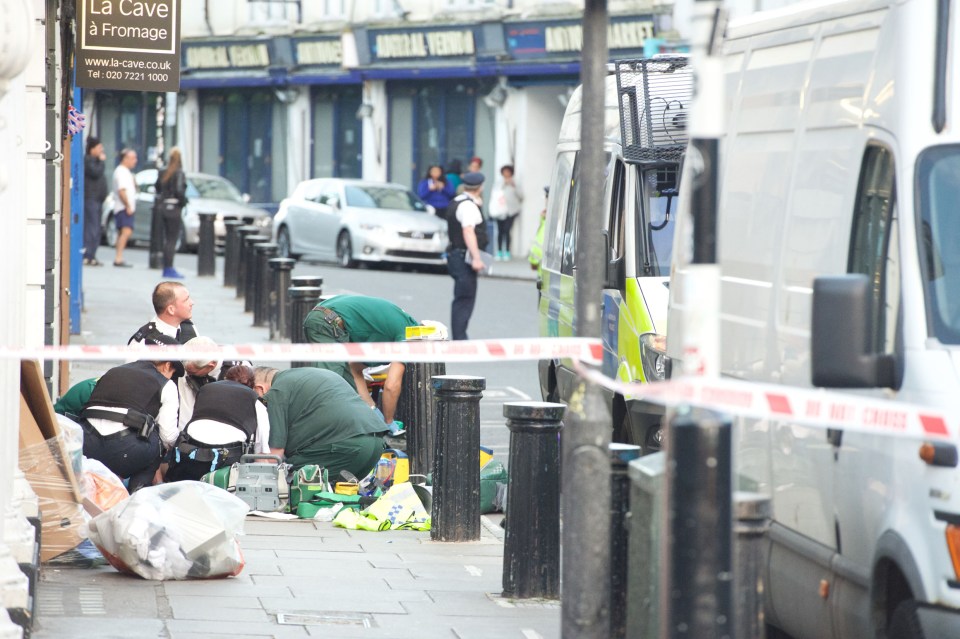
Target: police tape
[[816, 408], [492, 350]]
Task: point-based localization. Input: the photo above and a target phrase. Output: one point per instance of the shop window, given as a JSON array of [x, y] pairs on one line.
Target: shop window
[[337, 144], [122, 123], [334, 9]]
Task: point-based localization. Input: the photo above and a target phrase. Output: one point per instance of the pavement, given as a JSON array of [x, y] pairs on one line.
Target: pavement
[[302, 578]]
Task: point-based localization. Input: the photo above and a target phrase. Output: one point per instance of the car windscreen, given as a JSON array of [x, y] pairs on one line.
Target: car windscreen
[[382, 197], [212, 188], [938, 194]]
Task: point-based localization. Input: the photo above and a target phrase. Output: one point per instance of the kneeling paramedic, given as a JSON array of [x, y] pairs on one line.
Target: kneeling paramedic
[[228, 421], [132, 416]]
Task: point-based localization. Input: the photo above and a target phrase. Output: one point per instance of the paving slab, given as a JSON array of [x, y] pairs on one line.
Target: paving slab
[[325, 600], [218, 628], [96, 628]]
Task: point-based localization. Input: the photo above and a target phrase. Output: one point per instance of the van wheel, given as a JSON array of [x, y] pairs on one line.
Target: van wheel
[[904, 622]]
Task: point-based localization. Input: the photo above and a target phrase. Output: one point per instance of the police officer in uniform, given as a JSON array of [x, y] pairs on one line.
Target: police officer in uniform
[[467, 231], [228, 421], [174, 313], [132, 416]]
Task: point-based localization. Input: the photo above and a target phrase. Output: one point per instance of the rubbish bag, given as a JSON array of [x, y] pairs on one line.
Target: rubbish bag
[[182, 530], [101, 486]]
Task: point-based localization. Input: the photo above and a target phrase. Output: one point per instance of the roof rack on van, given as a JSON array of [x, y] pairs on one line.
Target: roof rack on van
[[654, 95]]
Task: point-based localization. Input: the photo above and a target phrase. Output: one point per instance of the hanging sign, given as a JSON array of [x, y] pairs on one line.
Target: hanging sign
[[132, 45]]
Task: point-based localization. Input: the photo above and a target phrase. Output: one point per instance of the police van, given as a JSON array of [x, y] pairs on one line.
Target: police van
[[637, 220], [839, 249]]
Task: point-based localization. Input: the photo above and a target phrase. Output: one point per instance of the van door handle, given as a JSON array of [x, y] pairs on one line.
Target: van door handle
[[835, 437]]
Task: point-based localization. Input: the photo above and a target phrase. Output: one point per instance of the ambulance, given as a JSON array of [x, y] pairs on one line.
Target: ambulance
[[839, 250], [636, 218]]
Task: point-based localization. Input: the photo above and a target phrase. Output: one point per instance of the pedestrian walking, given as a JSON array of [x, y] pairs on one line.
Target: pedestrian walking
[[171, 197], [506, 202], [124, 201], [94, 193], [467, 231]]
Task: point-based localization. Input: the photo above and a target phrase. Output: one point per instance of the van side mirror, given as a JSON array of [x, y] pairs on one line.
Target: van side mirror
[[841, 336]]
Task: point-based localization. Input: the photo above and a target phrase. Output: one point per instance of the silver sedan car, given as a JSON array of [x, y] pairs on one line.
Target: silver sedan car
[[354, 221], [205, 193]]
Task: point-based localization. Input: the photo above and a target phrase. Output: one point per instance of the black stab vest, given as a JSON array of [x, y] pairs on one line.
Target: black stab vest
[[455, 229], [136, 385], [228, 403]]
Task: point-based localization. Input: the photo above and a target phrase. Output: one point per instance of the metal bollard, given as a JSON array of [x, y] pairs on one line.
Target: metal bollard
[[206, 246], [753, 513], [261, 287], [643, 569], [456, 477], [531, 548], [250, 274], [696, 582], [280, 268], [243, 233], [307, 280], [230, 258], [302, 300], [620, 456], [416, 408]]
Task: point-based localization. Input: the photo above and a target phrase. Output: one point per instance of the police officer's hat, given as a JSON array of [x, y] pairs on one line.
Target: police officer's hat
[[166, 340], [473, 179]]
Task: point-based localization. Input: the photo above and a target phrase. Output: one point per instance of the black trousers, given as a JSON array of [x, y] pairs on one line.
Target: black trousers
[[172, 223], [464, 292], [92, 229], [129, 457]]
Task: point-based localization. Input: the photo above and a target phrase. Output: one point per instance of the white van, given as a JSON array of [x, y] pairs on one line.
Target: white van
[[840, 211], [637, 219]]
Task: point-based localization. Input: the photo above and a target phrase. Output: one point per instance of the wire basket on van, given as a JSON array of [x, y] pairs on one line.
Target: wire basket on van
[[654, 96]]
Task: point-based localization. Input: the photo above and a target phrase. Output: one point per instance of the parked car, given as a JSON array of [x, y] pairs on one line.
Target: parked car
[[354, 221], [205, 192]]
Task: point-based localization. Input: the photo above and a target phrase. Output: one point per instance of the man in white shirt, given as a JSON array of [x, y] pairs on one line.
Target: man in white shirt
[[124, 201], [131, 417], [174, 313], [468, 234]]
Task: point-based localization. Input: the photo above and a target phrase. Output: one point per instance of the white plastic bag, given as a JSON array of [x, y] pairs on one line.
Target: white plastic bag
[[182, 530]]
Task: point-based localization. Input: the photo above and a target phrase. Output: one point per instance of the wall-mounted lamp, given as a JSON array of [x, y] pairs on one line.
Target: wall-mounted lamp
[[364, 111], [497, 97], [286, 95]]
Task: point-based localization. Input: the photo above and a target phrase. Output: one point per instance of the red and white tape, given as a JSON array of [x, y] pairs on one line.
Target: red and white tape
[[493, 350], [810, 407]]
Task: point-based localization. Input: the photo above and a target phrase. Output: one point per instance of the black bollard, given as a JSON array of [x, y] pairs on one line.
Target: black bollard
[[280, 268], [620, 456], [416, 408], [230, 260], [753, 512], [206, 246], [696, 580], [156, 236], [456, 477], [531, 548], [302, 300], [261, 288], [250, 274], [242, 234], [307, 280]]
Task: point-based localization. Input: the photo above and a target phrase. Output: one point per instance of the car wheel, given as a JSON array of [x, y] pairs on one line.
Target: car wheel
[[110, 232], [345, 251], [904, 622], [284, 245]]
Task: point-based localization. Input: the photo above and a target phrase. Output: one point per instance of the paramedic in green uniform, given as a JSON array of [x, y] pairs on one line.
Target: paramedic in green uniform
[[316, 418], [361, 319]]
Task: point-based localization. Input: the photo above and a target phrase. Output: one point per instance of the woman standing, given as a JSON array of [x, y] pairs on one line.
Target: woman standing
[[435, 190], [171, 197], [506, 203]]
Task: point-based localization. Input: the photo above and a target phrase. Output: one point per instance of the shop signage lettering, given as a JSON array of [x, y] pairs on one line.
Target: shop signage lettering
[[620, 35], [319, 52], [223, 56], [426, 44], [129, 44]]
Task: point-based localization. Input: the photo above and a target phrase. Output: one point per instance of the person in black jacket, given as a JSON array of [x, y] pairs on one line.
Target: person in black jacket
[[131, 417], [171, 197], [94, 193]]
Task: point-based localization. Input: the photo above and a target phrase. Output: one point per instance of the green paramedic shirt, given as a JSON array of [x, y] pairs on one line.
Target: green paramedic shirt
[[371, 319], [311, 408]]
